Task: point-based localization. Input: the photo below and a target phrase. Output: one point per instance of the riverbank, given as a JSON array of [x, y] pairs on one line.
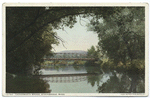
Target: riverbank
[[61, 64], [137, 65]]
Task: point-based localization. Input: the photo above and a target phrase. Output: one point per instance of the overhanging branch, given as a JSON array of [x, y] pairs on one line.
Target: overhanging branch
[[37, 16], [41, 27]]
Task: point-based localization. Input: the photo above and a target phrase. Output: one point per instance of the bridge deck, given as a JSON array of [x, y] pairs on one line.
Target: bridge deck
[[69, 59]]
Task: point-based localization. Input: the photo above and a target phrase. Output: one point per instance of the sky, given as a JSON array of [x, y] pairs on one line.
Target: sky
[[76, 38]]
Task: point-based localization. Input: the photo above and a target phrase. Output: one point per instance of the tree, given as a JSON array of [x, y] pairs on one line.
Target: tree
[[92, 53], [121, 35], [30, 54], [29, 32], [33, 19], [122, 38]]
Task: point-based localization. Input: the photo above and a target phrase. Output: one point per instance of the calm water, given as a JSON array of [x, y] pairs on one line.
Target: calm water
[[72, 86], [108, 81], [76, 79]]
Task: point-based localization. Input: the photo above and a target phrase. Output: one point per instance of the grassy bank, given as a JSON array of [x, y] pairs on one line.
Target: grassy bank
[[136, 66], [48, 64]]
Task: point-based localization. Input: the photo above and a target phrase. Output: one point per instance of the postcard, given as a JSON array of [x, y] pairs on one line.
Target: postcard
[[75, 49]]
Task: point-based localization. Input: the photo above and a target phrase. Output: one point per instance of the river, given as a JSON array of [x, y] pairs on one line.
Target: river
[[69, 79], [76, 79]]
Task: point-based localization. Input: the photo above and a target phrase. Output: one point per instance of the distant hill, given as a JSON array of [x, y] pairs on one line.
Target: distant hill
[[73, 51]]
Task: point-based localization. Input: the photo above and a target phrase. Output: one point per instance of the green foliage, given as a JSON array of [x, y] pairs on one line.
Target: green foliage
[[92, 53], [29, 32], [47, 63], [70, 63], [30, 54], [122, 39], [121, 35], [29, 37], [136, 67], [79, 62], [77, 67]]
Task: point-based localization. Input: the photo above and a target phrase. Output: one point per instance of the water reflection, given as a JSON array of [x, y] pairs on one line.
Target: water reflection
[[111, 81], [121, 84], [77, 79], [103, 81], [24, 84]]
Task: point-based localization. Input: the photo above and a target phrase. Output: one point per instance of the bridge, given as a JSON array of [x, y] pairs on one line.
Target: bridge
[[69, 56], [65, 78], [85, 59]]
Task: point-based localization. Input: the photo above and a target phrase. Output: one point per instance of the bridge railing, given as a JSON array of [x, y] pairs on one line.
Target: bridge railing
[[69, 55]]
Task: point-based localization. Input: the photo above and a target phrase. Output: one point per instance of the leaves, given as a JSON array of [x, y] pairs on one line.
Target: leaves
[[29, 32], [121, 35]]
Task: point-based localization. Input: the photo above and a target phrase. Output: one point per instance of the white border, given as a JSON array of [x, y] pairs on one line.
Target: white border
[[80, 4], [75, 4], [4, 51]]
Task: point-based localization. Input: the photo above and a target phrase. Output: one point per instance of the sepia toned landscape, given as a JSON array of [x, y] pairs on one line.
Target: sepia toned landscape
[[75, 49]]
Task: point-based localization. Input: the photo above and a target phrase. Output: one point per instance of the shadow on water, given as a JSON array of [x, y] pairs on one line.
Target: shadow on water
[[121, 84], [24, 84], [117, 81]]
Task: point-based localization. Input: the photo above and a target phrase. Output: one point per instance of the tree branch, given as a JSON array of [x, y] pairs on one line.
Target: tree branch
[[41, 27], [37, 16], [57, 37]]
